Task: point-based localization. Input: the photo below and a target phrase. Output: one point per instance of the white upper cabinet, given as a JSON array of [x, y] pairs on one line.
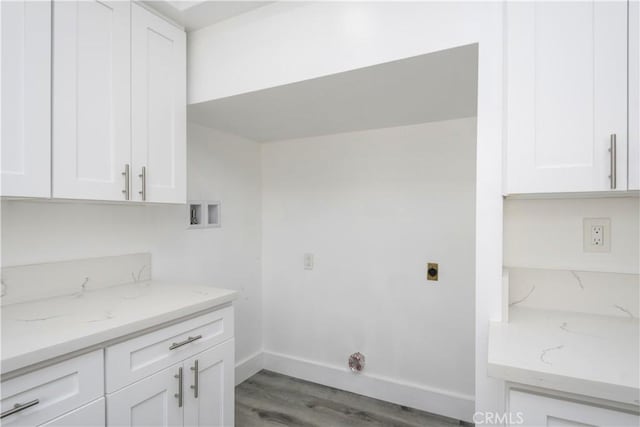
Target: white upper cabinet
[[26, 94], [91, 99], [119, 103], [158, 100], [634, 95], [566, 96]]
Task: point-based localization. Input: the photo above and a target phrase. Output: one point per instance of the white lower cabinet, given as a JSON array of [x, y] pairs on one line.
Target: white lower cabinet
[[140, 357], [45, 394], [197, 392], [530, 409], [91, 415], [153, 401], [181, 374], [209, 399]]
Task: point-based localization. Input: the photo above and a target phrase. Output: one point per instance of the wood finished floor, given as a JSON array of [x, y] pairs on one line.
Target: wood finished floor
[[270, 399]]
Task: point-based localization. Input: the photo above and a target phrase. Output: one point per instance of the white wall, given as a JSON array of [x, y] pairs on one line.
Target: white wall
[[44, 231], [548, 234], [225, 168], [374, 207], [221, 167], [294, 41]]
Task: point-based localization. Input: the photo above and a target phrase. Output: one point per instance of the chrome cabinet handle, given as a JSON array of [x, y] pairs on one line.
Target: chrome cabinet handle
[[179, 393], [194, 387], [185, 342], [126, 182], [143, 176], [613, 165], [19, 407]]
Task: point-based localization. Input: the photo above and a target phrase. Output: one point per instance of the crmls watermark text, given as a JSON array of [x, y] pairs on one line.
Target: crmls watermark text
[[495, 418]]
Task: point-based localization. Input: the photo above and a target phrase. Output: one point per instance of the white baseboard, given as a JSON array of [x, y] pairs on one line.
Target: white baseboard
[[248, 367], [436, 401]]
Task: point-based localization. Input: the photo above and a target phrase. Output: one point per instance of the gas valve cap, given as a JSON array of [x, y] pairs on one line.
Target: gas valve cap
[[432, 271]]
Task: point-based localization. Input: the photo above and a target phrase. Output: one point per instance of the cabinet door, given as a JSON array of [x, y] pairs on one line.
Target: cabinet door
[[634, 95], [152, 401], [566, 95], [210, 387], [91, 99], [91, 415], [26, 98], [158, 100], [527, 409], [49, 392]]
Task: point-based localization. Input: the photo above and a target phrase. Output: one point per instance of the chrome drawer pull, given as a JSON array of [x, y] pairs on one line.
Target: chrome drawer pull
[[613, 161], [126, 182], [143, 176], [194, 387], [19, 407], [179, 394], [185, 342]]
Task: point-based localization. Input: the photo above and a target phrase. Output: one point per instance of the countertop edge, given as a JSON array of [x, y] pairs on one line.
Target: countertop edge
[[606, 391], [502, 365], [103, 338]]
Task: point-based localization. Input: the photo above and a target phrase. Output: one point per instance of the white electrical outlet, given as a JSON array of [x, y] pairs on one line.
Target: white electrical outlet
[[308, 261], [597, 234]]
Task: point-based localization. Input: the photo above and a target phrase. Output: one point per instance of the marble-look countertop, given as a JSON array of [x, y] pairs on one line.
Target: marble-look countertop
[[586, 354], [33, 332]]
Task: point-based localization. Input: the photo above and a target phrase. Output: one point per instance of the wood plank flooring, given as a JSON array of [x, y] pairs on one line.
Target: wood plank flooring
[[270, 399]]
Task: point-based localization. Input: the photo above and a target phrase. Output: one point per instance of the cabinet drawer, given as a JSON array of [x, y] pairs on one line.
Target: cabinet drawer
[[142, 356], [528, 409], [54, 390], [90, 415]]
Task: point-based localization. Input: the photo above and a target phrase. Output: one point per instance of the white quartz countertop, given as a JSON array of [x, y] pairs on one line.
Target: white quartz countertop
[[592, 355], [35, 331]]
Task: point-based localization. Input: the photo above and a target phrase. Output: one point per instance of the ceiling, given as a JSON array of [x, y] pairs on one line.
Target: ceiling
[[194, 15], [432, 87]]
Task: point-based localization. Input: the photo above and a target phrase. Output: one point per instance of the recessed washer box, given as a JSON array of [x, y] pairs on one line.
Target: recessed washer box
[[194, 215], [213, 214], [203, 214]]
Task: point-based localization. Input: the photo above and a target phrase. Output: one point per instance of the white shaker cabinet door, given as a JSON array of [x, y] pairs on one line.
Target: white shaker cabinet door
[[158, 100], [533, 410], [26, 98], [47, 393], [91, 99], [566, 96], [210, 387], [153, 401], [91, 415], [634, 95]]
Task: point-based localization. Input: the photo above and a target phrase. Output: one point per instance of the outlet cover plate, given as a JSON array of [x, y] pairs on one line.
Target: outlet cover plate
[[596, 230], [308, 261]]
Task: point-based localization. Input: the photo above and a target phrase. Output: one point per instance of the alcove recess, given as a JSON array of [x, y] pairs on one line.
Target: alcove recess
[[203, 214]]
